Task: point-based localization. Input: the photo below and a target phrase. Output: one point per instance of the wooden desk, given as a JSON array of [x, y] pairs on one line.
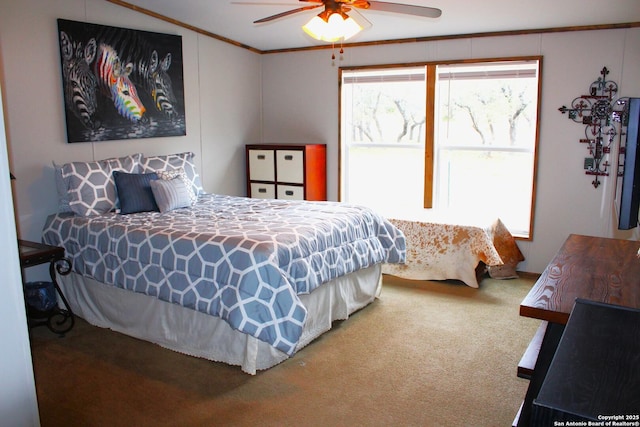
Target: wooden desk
[[592, 268]]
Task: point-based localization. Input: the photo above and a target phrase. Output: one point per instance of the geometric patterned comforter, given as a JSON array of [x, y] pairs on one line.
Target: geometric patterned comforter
[[243, 260]]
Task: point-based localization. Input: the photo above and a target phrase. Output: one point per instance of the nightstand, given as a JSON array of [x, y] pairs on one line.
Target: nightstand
[[58, 320]]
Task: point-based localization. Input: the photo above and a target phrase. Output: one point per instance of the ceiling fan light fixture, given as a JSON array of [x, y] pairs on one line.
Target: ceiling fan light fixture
[[331, 27], [315, 27]]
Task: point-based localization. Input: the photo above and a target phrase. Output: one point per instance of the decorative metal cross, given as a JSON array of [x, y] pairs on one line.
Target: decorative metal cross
[[597, 111]]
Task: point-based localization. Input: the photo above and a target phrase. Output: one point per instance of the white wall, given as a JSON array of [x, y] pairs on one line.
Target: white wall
[[18, 405], [300, 98], [222, 103]]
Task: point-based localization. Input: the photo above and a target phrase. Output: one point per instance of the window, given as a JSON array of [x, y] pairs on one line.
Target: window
[[383, 134], [455, 137]]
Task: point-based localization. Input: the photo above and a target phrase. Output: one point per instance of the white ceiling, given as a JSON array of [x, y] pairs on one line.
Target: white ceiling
[[232, 20]]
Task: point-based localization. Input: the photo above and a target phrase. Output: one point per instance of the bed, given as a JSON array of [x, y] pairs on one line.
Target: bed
[[247, 282]]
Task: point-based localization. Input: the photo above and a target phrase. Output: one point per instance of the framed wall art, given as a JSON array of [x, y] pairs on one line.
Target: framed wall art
[[120, 83]]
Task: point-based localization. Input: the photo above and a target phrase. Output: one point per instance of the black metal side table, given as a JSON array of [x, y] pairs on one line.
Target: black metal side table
[[58, 320]]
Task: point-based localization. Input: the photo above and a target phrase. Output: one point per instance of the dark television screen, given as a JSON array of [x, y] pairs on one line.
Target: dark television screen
[[630, 194]]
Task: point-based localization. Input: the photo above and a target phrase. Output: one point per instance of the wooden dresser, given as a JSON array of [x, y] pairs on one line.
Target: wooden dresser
[[287, 171]]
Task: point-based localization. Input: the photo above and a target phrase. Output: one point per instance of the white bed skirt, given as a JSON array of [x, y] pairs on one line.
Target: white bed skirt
[[197, 334]]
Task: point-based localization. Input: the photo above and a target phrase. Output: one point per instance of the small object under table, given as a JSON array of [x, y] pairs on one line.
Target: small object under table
[[58, 320]]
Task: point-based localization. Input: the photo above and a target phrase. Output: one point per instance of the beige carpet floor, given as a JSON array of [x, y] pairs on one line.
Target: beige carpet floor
[[423, 354]]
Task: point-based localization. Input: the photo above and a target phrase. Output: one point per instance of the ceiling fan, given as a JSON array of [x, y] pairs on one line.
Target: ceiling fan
[[333, 23], [343, 6]]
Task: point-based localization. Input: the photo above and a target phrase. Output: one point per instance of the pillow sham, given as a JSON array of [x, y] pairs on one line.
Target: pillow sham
[[90, 186], [134, 192], [170, 194], [180, 174], [171, 162]]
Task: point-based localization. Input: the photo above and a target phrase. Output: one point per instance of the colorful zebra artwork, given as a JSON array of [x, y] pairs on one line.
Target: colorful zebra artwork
[[120, 83], [149, 73], [114, 78]]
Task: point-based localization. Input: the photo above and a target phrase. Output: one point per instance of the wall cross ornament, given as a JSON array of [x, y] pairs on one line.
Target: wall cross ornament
[[600, 112]]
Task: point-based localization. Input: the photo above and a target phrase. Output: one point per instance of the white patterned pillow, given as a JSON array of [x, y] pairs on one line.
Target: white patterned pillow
[[90, 186], [179, 174], [170, 194], [172, 162]]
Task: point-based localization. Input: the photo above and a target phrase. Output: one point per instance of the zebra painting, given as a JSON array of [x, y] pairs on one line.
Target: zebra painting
[[79, 82], [149, 73], [120, 83], [113, 77]]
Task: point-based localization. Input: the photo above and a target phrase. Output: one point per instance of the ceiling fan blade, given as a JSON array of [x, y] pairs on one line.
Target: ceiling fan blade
[[428, 12], [360, 19], [287, 13], [260, 3]]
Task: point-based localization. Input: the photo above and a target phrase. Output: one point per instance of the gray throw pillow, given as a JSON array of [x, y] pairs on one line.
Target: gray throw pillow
[[170, 194]]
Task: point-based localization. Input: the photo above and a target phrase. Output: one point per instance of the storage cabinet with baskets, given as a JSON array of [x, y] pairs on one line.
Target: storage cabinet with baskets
[[287, 171]]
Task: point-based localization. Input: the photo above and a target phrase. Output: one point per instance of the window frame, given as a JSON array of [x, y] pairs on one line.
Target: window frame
[[430, 137]]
